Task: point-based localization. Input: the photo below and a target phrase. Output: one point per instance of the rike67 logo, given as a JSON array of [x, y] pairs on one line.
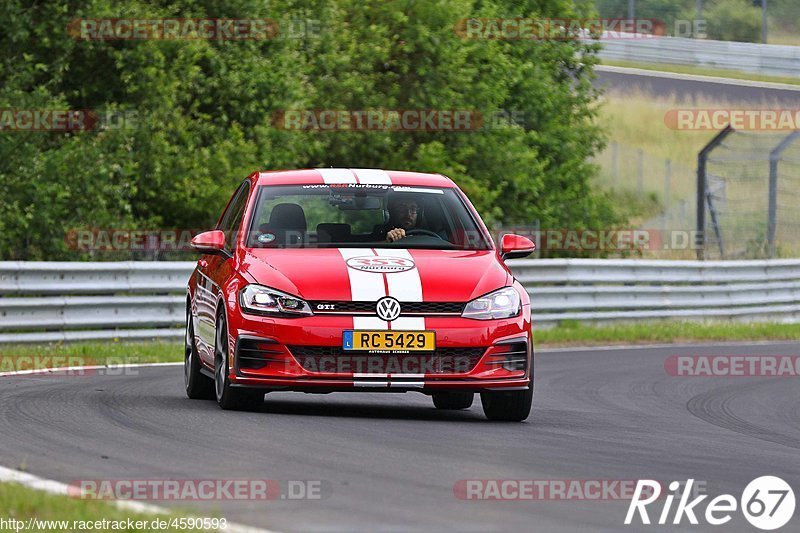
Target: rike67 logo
[[767, 503]]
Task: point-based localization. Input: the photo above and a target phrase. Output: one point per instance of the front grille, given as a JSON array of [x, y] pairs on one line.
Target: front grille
[[367, 307], [335, 359]]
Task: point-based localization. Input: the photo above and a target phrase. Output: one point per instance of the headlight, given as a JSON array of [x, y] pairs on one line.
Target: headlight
[[502, 303], [265, 300]]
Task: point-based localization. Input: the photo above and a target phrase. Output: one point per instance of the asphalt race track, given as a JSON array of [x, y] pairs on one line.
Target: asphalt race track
[[685, 87], [392, 460]]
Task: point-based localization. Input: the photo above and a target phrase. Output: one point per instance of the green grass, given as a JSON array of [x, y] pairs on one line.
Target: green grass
[[636, 121], [22, 503], [25, 356], [571, 333], [703, 71], [778, 35]]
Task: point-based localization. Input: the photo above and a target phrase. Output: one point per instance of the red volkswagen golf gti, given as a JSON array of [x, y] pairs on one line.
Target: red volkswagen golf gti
[[358, 280]]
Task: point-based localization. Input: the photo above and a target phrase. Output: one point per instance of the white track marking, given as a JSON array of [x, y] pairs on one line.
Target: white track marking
[[372, 176], [61, 489], [78, 368], [577, 349], [337, 175]]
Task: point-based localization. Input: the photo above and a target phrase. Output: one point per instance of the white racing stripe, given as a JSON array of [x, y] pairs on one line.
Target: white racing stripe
[[408, 381], [336, 175], [370, 380], [364, 286], [406, 287], [371, 286], [406, 384], [372, 176]]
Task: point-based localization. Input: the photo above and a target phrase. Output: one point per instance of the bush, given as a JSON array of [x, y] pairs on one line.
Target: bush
[[734, 20]]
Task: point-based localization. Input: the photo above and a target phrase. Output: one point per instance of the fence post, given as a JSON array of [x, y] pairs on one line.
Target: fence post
[[641, 173], [667, 189], [614, 156], [702, 189], [772, 217]]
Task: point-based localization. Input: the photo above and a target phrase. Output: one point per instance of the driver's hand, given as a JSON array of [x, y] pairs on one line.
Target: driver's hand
[[395, 235]]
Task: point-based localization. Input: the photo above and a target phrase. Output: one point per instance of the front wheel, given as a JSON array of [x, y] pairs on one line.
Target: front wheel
[[508, 406], [229, 397], [453, 400], [198, 386]]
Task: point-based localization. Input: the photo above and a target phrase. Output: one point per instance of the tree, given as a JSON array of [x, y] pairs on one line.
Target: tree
[[204, 112]]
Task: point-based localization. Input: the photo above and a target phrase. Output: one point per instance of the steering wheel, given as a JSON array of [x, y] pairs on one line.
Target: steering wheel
[[417, 231]]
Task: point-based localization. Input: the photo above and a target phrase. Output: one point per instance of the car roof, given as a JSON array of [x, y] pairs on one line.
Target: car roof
[[321, 176]]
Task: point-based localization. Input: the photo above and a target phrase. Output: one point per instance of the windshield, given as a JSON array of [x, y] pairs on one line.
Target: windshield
[[352, 216]]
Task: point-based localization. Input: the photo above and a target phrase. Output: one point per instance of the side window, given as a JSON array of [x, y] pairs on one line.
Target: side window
[[232, 220]]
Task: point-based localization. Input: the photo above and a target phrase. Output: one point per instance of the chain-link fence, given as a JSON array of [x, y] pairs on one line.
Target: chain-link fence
[[666, 183], [751, 203], [752, 207]]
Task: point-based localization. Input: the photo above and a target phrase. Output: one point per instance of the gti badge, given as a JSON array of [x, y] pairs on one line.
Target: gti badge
[[387, 308]]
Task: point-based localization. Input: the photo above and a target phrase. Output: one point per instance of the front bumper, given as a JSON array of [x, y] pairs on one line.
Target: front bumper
[[305, 354]]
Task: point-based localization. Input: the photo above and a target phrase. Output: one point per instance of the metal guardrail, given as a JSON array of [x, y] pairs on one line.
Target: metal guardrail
[[770, 59], [49, 302], [46, 302]]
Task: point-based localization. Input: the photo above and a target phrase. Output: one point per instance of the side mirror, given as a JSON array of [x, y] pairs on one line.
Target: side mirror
[[210, 242], [515, 246]]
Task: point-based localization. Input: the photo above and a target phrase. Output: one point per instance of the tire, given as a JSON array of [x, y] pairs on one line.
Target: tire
[[228, 397], [507, 406], [453, 400], [198, 386]]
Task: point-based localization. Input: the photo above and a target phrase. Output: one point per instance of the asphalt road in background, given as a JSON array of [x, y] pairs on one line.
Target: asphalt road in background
[[618, 80], [390, 461]]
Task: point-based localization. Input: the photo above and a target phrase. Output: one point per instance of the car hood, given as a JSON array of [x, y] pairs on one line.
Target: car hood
[[338, 274]]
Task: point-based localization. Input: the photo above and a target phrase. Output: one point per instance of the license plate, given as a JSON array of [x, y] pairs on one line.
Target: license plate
[[389, 341]]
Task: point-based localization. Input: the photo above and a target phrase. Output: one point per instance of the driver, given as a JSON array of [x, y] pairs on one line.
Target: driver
[[404, 212]]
